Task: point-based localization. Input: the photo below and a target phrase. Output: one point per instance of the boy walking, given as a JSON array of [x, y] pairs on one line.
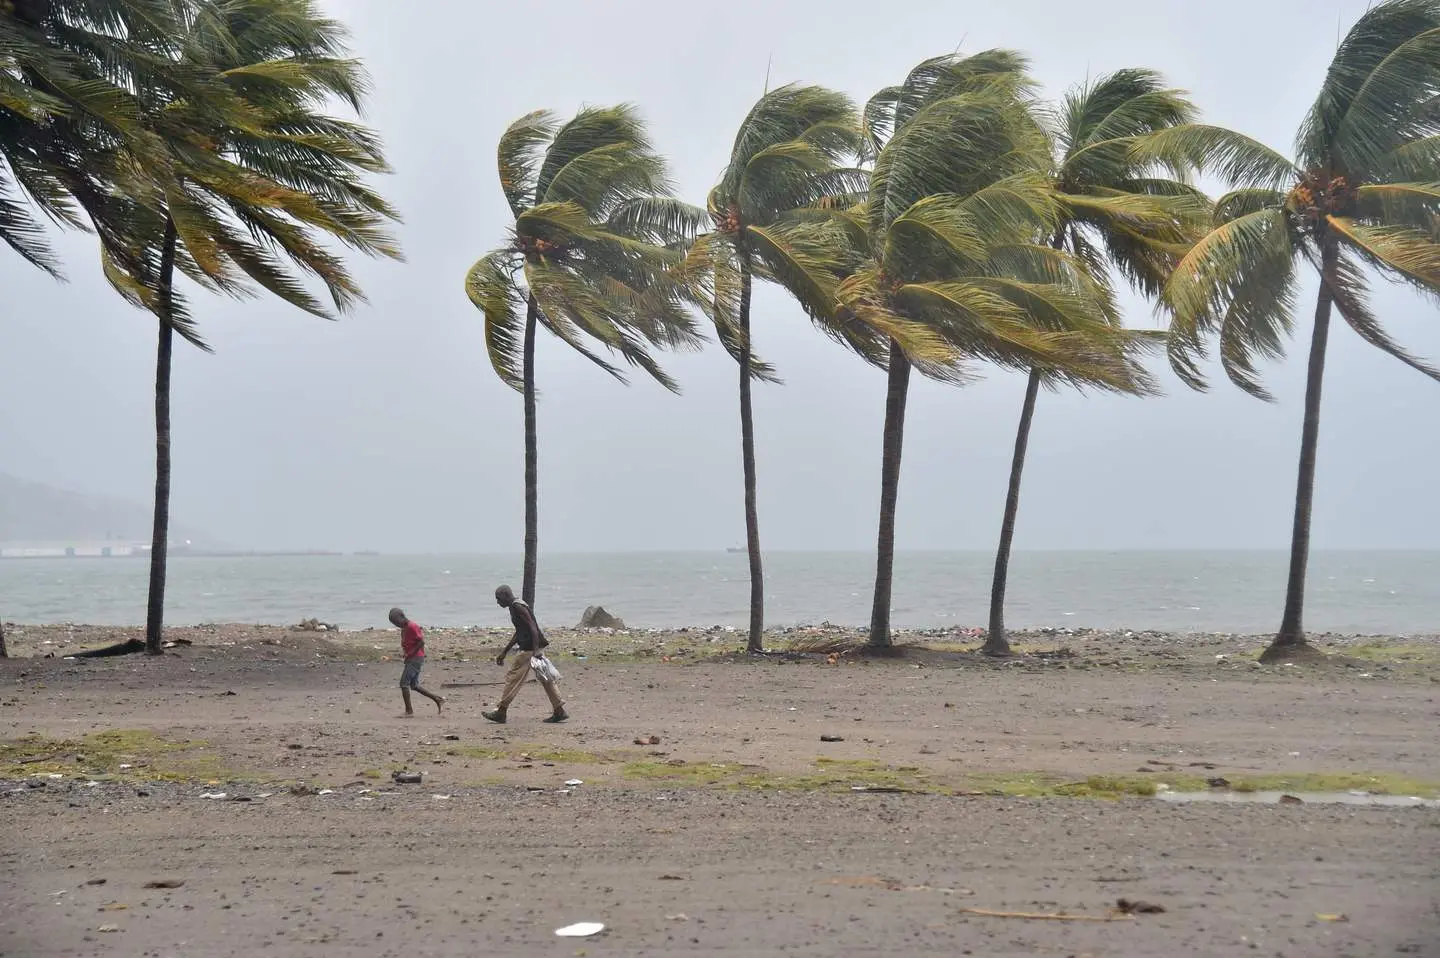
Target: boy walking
[[412, 646], [531, 641]]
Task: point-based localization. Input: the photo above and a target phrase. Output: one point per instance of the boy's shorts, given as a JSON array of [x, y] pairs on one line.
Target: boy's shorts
[[410, 678]]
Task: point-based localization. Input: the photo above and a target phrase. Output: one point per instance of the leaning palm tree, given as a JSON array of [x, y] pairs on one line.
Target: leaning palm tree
[[1118, 215], [949, 251], [1363, 196], [792, 152], [249, 174], [596, 237]]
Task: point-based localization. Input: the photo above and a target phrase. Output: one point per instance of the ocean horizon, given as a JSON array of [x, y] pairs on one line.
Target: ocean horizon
[[1365, 591]]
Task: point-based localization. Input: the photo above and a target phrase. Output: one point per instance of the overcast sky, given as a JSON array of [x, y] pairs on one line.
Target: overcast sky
[[388, 429]]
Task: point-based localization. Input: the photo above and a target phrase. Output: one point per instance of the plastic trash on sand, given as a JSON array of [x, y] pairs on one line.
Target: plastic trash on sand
[[544, 669], [582, 929]]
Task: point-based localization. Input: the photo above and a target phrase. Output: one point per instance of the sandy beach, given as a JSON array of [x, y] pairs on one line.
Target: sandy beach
[[808, 803]]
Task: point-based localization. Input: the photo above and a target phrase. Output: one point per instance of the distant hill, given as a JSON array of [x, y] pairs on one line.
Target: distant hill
[[35, 512]]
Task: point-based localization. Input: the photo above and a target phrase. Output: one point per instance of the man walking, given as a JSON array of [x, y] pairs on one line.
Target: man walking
[[530, 641]]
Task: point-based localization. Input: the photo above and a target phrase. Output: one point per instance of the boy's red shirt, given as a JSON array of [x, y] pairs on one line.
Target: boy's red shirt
[[412, 641]]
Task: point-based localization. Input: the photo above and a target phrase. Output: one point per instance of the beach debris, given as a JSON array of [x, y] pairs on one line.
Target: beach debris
[[583, 929], [218, 796], [452, 738], [647, 740], [326, 791], [300, 788], [1218, 782], [345, 871], [1336, 917], [1127, 906], [573, 782], [407, 778], [441, 798], [1042, 915], [832, 738], [595, 617], [97, 881], [165, 883], [241, 798], [1291, 800], [678, 917], [315, 625], [108, 929], [672, 877], [890, 884]]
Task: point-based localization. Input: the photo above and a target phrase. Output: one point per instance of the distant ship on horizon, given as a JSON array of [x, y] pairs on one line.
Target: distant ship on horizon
[[735, 549]]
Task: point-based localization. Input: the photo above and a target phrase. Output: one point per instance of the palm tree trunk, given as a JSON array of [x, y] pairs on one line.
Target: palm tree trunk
[[756, 642], [1290, 640], [532, 466], [895, 395], [160, 534], [995, 641]]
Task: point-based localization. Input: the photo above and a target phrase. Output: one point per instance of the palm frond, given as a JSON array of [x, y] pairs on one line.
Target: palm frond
[[1401, 251], [1238, 159], [1347, 287], [490, 285]]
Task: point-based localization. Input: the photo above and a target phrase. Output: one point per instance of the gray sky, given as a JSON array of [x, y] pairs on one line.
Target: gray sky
[[389, 430]]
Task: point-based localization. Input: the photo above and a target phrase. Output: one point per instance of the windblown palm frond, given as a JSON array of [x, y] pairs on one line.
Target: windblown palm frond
[[597, 239]]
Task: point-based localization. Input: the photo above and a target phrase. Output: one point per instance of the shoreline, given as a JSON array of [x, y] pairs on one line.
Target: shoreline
[[28, 640]]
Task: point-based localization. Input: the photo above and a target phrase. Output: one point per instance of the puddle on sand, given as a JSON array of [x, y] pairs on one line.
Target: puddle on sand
[[1309, 798]]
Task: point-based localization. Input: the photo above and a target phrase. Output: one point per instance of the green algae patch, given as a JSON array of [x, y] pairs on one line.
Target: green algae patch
[[116, 754]]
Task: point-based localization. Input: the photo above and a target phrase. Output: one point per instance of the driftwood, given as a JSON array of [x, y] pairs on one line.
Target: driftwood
[[121, 648]]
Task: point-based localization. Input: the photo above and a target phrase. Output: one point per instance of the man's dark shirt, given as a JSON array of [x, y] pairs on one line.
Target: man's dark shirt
[[527, 630]]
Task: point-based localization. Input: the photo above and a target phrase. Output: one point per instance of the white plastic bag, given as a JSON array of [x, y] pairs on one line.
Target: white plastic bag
[[544, 669]]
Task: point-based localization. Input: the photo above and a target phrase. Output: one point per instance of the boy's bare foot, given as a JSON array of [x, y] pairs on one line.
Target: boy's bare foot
[[439, 703]]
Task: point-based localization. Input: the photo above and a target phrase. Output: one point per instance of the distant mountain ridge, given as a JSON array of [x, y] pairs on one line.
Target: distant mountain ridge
[[35, 512]]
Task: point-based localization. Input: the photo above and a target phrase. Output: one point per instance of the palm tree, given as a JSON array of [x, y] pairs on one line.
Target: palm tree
[[1118, 215], [790, 154], [1362, 196], [249, 174], [596, 235], [947, 251]]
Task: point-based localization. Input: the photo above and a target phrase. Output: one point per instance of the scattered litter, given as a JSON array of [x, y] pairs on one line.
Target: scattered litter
[[573, 782], [582, 929], [108, 929], [1331, 917], [1218, 782], [1291, 800], [241, 798], [54, 776], [441, 798], [217, 795], [647, 740], [115, 906], [264, 794], [345, 871], [452, 738], [832, 738], [1126, 906], [672, 877], [92, 784], [97, 881], [123, 767], [680, 917], [165, 883], [890, 884], [880, 789], [326, 791], [407, 778], [1042, 915]]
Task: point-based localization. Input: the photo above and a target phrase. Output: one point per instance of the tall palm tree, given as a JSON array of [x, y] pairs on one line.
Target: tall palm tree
[[596, 236], [948, 251], [792, 152], [249, 176], [1362, 196], [1119, 214]]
